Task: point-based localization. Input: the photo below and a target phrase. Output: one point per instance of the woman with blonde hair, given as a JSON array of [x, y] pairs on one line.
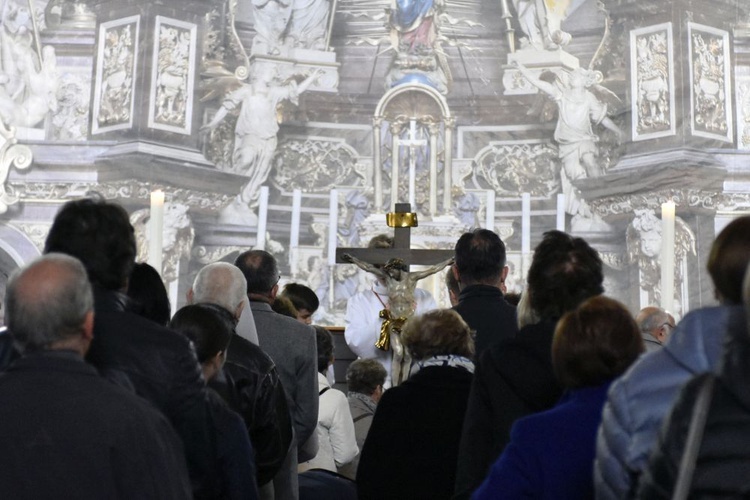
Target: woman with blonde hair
[[412, 447]]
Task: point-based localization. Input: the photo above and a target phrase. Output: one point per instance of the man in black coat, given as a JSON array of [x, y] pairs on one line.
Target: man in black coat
[[514, 377], [480, 270], [66, 432], [156, 363], [249, 381]]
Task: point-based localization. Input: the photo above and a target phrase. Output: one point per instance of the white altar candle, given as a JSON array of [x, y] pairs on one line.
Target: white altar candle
[[412, 181], [262, 219], [333, 226], [489, 220], [560, 212], [156, 230], [525, 223], [667, 255], [294, 236]]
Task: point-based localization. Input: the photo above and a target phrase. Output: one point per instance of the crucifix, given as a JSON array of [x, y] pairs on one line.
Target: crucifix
[[390, 265]]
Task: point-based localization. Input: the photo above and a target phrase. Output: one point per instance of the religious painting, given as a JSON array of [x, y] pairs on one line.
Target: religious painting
[[172, 78], [652, 82], [115, 75], [710, 85], [742, 82]]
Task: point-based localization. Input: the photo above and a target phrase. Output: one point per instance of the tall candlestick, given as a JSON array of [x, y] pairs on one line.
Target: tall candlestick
[[333, 226], [667, 255], [294, 236], [156, 230], [489, 219], [262, 219], [560, 212], [525, 223]]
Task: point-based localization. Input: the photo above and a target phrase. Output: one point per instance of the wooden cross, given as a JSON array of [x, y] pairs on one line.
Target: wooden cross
[[401, 244]]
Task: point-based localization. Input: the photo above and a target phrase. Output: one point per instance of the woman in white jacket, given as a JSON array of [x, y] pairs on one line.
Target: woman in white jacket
[[337, 444]]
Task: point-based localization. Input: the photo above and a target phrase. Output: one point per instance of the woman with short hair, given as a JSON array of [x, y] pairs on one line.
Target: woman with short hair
[[412, 447], [551, 453]]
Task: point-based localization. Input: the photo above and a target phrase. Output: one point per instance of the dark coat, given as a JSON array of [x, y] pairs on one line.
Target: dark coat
[[234, 452], [250, 385], [160, 366], [412, 447], [722, 469], [513, 378], [7, 350], [485, 311], [551, 453], [67, 433]]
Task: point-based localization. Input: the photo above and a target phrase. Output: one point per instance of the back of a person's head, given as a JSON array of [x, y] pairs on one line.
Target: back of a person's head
[[437, 333], [47, 301], [380, 241], [148, 295], [282, 305], [99, 234], [302, 297], [595, 343], [260, 270], [650, 318], [364, 376], [480, 257], [208, 326], [220, 283], [728, 259], [324, 341], [564, 272]]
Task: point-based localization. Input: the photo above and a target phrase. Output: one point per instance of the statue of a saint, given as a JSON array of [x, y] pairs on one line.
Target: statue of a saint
[[270, 20], [309, 23], [541, 22], [257, 125], [400, 284]]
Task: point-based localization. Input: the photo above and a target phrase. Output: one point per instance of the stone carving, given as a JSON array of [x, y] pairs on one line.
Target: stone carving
[[627, 204], [115, 79], [541, 23], [310, 24], [315, 165], [466, 208], [643, 239], [11, 154], [70, 123], [177, 240], [171, 106], [28, 72], [270, 20], [710, 87], [206, 255], [581, 101], [357, 209], [743, 112], [255, 130], [518, 168], [36, 232], [653, 82]]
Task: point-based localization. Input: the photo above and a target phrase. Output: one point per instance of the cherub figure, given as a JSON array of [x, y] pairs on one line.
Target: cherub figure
[[400, 284]]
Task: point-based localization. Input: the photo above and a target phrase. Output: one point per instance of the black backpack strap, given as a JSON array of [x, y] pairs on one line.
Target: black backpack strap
[[324, 390]]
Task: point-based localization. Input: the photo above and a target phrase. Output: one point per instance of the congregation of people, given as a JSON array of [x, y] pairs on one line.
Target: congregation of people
[[560, 392]]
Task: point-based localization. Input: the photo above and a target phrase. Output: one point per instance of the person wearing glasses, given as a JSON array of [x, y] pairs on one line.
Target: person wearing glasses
[[655, 324]]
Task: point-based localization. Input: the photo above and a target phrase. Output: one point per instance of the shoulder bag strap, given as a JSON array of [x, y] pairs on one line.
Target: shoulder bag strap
[[324, 390], [694, 438]]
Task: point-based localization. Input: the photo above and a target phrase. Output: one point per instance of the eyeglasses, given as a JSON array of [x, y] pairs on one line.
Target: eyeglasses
[[670, 325]]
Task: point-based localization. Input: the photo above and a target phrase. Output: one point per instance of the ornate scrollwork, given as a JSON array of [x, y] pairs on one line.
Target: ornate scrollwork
[[11, 154], [316, 165], [519, 168]]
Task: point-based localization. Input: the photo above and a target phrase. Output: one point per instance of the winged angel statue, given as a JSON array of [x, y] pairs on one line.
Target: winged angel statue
[[253, 108]]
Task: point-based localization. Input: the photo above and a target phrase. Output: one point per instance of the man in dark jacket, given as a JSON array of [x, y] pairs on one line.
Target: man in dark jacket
[[7, 350], [66, 432], [248, 382], [480, 270], [156, 363], [514, 377]]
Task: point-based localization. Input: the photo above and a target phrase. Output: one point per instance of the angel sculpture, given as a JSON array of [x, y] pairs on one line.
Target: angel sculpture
[[578, 108], [400, 284], [257, 125]]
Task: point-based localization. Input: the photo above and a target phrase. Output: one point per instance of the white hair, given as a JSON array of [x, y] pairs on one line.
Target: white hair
[[220, 283]]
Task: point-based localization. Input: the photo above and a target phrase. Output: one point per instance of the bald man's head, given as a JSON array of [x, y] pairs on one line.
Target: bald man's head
[[222, 284], [656, 322], [49, 304]]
